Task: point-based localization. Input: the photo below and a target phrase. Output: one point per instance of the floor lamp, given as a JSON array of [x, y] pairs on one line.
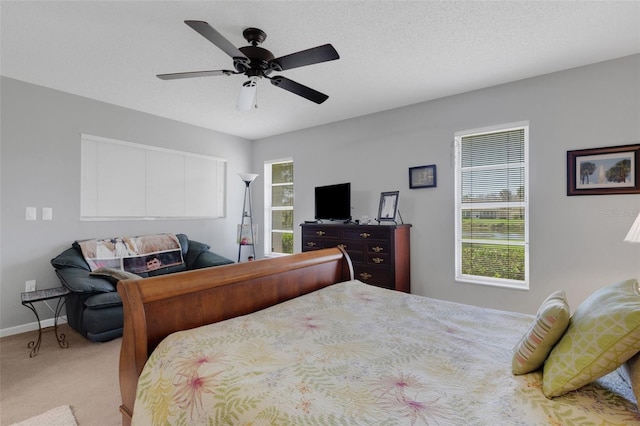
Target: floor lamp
[[250, 238]]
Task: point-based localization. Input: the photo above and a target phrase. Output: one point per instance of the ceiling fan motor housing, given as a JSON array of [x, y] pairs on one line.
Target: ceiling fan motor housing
[[259, 58], [258, 61]]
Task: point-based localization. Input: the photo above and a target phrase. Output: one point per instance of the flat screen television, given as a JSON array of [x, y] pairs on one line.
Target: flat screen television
[[333, 202]]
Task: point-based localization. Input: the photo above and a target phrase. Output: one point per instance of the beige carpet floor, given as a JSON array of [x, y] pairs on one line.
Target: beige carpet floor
[[83, 376]]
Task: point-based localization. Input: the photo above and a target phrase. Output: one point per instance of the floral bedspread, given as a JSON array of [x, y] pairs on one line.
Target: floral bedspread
[[354, 354]]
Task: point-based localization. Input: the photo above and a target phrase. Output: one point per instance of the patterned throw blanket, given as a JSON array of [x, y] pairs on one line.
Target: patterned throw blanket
[[133, 254]]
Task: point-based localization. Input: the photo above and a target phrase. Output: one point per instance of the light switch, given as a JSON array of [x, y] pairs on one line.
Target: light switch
[[30, 213], [47, 213]]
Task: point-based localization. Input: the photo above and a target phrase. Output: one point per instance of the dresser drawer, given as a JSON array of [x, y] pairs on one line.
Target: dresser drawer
[[366, 233], [311, 244], [381, 277], [378, 247], [351, 246], [320, 243], [332, 232], [357, 256], [378, 259]]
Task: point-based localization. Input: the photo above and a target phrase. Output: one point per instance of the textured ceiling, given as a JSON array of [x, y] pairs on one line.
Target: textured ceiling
[[392, 53]]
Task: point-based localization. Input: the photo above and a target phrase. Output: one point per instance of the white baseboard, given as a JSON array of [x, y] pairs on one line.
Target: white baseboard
[[24, 328]]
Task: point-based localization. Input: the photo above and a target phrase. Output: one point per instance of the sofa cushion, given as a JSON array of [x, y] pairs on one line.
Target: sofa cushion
[[208, 259], [79, 281], [103, 300], [114, 275], [195, 250], [184, 243], [70, 258], [167, 270]]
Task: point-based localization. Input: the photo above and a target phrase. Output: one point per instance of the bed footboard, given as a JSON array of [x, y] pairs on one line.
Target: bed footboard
[[158, 306]]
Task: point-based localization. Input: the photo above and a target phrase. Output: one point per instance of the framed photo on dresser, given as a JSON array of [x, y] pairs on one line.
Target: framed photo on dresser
[[388, 207]]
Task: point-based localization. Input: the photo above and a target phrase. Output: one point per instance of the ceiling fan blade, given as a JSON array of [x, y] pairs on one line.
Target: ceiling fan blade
[[191, 74], [299, 89], [208, 32], [311, 56]]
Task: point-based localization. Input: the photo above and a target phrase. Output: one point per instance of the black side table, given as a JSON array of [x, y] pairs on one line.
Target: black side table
[[37, 296]]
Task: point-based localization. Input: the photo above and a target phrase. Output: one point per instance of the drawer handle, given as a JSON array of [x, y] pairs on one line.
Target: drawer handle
[[344, 246], [377, 249], [365, 276], [365, 235], [311, 244], [320, 233], [377, 260]]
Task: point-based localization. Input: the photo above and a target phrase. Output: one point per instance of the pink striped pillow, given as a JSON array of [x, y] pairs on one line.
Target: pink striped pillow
[[544, 332]]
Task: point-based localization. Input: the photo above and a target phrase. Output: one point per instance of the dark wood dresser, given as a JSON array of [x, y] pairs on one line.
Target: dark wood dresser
[[380, 253]]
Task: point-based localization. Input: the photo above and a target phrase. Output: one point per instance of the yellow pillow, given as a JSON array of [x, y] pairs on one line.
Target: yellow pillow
[[544, 332], [603, 333]]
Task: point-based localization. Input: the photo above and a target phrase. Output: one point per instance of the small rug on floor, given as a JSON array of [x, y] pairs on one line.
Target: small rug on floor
[[59, 416]]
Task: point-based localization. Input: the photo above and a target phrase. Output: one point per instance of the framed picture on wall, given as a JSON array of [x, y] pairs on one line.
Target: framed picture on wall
[[422, 177], [599, 171]]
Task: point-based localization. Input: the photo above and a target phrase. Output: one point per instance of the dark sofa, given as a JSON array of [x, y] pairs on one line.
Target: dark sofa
[[94, 308]]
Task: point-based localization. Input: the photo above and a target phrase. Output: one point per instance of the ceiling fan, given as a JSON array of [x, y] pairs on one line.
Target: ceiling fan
[[256, 62]]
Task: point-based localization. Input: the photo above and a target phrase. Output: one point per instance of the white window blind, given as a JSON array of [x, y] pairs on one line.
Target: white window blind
[[492, 206], [123, 180]]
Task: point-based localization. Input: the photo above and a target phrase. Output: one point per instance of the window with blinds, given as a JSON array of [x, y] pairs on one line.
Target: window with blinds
[[279, 207], [491, 199]]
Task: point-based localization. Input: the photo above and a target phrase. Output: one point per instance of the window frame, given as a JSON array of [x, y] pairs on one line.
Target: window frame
[[460, 206], [269, 208]]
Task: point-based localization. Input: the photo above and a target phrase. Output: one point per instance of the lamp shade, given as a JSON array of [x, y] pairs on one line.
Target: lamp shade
[[248, 177], [247, 97], [634, 233]]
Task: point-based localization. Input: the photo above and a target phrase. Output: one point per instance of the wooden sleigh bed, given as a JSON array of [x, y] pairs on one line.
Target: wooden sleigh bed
[[298, 341], [156, 307]]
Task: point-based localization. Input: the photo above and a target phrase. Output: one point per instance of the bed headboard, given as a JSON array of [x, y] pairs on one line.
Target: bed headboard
[[158, 306]]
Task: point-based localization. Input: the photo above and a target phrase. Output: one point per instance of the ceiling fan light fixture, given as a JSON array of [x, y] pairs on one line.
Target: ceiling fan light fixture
[[248, 92]]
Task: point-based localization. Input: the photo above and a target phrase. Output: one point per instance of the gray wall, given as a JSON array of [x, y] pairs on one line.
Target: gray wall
[[576, 242], [40, 167]]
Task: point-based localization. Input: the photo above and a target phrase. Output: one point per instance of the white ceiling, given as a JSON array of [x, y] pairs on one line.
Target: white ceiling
[[392, 53]]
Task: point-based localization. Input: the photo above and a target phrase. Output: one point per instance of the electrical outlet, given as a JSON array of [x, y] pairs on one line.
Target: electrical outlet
[[30, 285]]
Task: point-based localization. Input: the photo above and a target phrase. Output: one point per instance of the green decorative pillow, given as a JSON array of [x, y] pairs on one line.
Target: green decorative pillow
[[114, 275], [545, 331], [604, 332]]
